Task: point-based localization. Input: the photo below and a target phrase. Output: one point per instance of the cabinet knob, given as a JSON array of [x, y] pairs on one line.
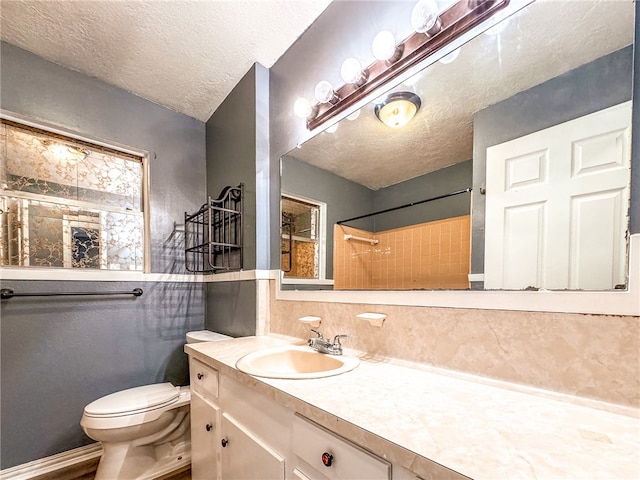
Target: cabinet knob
[[209, 427], [200, 375], [224, 442], [327, 459]]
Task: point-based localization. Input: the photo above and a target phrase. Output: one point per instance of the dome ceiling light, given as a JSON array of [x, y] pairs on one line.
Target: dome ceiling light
[[398, 109]]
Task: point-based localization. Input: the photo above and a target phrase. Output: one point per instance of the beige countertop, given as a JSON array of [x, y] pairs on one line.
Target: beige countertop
[[423, 418]]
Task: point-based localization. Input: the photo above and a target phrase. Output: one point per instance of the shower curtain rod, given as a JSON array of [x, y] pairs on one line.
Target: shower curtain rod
[[466, 190], [7, 293]]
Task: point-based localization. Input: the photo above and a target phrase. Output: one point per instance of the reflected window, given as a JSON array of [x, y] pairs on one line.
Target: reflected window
[[302, 232], [66, 203]]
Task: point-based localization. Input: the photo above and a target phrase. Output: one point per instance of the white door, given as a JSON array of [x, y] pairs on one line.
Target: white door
[[557, 205]]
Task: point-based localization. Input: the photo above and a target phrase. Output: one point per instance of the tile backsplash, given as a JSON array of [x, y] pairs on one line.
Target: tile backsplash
[[591, 356]]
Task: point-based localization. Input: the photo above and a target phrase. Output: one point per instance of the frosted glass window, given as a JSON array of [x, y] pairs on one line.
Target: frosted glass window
[[300, 238], [68, 204]]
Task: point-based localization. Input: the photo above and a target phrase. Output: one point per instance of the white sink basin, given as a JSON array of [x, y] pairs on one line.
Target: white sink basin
[[294, 362]]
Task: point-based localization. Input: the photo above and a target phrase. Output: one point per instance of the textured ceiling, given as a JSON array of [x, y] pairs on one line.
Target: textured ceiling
[[546, 39], [185, 55]]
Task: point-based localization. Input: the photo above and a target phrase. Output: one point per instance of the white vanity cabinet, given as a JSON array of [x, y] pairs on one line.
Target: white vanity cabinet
[[230, 439], [320, 453], [239, 433], [245, 456], [205, 421]]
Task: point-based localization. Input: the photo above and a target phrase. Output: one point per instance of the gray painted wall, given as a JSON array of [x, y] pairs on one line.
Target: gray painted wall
[[59, 354], [237, 146], [231, 154], [444, 181], [45, 91], [344, 199], [231, 308], [587, 89]]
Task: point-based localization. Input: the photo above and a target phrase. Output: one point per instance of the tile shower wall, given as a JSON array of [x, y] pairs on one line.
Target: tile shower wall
[[591, 356], [431, 255]]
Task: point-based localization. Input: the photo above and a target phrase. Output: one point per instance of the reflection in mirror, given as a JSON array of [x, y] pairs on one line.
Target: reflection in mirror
[[302, 228], [535, 115]]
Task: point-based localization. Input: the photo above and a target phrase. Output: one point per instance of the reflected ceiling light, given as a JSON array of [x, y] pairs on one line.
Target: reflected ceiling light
[[303, 108], [450, 57], [384, 47], [424, 17], [351, 72], [66, 153], [324, 92], [398, 109]]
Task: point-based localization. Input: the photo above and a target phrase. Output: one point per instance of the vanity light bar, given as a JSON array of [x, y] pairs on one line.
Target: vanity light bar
[[455, 21]]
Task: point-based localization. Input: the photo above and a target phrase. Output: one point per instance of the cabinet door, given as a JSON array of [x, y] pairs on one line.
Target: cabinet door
[[246, 457], [205, 435]]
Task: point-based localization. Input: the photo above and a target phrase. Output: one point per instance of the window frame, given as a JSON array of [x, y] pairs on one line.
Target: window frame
[[91, 140], [322, 244]]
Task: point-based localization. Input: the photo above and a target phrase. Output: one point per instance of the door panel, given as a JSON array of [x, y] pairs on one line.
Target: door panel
[[557, 205]]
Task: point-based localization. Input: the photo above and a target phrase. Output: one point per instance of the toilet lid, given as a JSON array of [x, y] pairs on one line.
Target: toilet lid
[[205, 336], [134, 399]]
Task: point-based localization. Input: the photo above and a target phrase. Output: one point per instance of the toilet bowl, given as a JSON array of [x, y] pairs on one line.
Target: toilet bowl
[[144, 430]]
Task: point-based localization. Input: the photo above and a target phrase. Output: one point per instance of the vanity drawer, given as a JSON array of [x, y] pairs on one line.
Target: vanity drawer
[[311, 443], [204, 379]]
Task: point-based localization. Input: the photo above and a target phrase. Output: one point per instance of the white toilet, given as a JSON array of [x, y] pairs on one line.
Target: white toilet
[[144, 430]]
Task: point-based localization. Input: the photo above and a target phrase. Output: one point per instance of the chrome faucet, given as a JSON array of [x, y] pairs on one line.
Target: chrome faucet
[[322, 345]]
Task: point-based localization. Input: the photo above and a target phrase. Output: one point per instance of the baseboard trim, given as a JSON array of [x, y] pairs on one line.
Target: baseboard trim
[[63, 465]]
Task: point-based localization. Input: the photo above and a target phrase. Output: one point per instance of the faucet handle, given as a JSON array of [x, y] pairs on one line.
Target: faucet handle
[[336, 339], [317, 333]]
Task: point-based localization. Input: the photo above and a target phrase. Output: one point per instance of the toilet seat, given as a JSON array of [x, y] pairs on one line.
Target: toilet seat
[[133, 400], [133, 406]]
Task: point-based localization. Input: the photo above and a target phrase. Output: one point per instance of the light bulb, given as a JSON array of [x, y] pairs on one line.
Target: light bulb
[[450, 57], [302, 108], [332, 128], [384, 45], [424, 15], [324, 92], [66, 153], [351, 70]]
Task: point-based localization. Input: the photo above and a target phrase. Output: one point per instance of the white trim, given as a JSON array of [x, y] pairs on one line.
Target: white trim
[[625, 302], [54, 463], [242, 275], [476, 277], [322, 233], [305, 281], [86, 275]]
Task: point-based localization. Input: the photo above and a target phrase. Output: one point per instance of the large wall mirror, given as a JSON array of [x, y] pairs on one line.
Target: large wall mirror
[[513, 174]]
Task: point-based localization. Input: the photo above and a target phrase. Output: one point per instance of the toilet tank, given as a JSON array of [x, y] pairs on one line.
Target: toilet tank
[[205, 336]]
